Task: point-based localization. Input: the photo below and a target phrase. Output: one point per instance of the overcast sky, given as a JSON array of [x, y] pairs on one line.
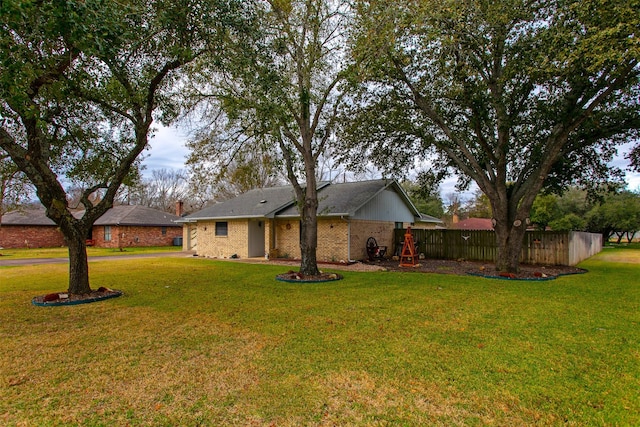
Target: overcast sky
[[168, 151]]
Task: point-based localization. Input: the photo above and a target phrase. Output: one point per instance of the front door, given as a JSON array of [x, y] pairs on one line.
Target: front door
[[256, 238], [192, 237]]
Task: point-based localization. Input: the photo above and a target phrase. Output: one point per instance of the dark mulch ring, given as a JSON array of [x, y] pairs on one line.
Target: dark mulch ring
[[294, 277], [483, 269], [64, 298]]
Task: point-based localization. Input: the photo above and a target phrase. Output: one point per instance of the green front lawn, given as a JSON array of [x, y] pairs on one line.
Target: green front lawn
[[201, 342], [91, 251]]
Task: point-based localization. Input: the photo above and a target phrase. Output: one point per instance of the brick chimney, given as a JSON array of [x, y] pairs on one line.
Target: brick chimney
[[179, 208]]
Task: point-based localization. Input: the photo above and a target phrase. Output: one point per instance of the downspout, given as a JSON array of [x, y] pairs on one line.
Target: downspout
[[272, 238], [348, 240]]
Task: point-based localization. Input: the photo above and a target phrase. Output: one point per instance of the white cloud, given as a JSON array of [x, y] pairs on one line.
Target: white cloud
[[632, 178], [166, 150], [633, 181]]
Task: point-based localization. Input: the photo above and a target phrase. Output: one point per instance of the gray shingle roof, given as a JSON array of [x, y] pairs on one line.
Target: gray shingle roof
[[35, 216], [334, 199], [118, 215], [257, 203], [135, 215]]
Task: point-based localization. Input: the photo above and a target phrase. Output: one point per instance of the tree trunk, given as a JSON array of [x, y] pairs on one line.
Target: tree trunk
[[78, 266], [309, 234], [509, 239]]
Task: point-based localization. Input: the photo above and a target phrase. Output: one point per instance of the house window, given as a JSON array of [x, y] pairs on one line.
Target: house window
[[164, 231], [221, 228], [399, 226], [107, 233]]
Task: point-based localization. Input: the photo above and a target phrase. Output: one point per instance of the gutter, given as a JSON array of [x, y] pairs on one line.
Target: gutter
[[331, 215], [185, 221], [219, 218]]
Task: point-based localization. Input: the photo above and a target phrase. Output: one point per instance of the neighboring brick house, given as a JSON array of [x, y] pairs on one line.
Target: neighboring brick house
[[133, 225], [120, 226], [267, 221], [29, 229]]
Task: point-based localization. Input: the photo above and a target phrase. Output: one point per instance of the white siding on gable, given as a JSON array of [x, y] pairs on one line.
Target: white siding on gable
[[386, 206]]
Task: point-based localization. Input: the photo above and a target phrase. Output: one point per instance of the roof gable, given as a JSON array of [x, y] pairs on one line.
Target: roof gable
[[346, 199]]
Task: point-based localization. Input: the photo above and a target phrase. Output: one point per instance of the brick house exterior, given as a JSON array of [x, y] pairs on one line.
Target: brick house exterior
[[266, 222], [132, 225], [120, 226], [30, 236], [29, 229]]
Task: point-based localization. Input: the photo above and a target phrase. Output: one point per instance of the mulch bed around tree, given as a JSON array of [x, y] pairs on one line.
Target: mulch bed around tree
[[294, 277], [483, 269], [64, 298]]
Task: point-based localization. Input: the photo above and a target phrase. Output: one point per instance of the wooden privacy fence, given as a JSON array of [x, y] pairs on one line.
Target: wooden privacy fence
[[539, 247]]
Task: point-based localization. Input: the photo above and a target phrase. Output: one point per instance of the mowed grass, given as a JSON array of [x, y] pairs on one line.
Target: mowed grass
[[63, 252], [199, 342], [628, 253]]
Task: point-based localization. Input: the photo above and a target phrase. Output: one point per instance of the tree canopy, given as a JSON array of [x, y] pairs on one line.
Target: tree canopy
[[634, 158], [81, 83], [514, 95], [425, 198], [618, 214], [161, 190], [278, 95]]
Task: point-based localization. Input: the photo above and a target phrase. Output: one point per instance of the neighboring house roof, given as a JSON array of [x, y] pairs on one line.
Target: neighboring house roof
[[473, 224], [33, 216], [131, 215], [135, 215], [343, 199]]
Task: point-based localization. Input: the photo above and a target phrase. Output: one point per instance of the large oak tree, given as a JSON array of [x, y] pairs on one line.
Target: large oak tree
[[279, 96], [81, 83], [515, 95]]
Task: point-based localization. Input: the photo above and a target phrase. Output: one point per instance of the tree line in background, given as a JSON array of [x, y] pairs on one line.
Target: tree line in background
[[520, 97], [614, 213]]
